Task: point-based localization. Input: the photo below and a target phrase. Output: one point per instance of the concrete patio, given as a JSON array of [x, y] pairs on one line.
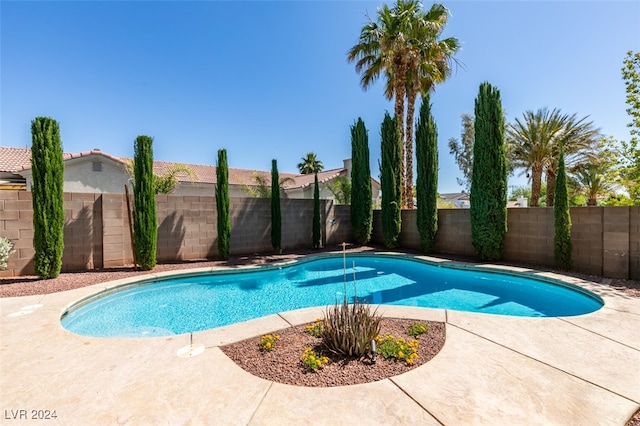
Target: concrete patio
[[582, 370]]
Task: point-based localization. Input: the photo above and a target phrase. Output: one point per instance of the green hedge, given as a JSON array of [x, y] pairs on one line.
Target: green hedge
[[222, 205], [488, 196], [47, 194]]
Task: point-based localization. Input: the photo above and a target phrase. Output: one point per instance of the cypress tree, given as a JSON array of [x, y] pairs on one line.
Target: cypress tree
[[316, 212], [391, 182], [145, 229], [361, 212], [562, 245], [489, 180], [427, 179], [276, 215], [222, 205], [48, 198]]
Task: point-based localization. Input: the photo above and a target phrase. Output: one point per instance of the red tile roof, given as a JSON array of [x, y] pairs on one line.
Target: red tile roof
[[13, 159], [17, 159]]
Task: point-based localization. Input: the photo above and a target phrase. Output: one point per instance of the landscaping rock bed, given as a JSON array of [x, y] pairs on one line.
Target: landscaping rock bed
[[283, 363]]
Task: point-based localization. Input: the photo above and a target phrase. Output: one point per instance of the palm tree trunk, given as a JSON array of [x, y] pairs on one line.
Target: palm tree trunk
[[536, 184], [408, 183], [400, 90], [551, 186]]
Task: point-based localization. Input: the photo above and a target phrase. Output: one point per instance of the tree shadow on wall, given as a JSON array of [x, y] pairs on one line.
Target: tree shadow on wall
[[171, 233], [250, 227], [78, 241]]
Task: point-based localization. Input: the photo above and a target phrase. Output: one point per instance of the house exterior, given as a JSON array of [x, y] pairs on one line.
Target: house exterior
[[12, 161], [96, 171], [459, 199]]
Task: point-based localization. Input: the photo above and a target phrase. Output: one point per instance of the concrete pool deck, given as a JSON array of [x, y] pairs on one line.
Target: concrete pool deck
[[492, 370]]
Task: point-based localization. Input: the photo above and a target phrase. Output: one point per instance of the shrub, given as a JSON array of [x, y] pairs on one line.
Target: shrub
[[488, 196], [222, 205], [316, 213], [313, 361], [427, 179], [276, 214], [144, 198], [361, 212], [47, 194], [416, 329], [268, 342], [562, 245], [390, 347], [6, 248], [349, 329], [391, 182]]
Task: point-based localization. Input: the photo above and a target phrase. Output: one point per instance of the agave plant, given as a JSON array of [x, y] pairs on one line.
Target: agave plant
[[348, 329]]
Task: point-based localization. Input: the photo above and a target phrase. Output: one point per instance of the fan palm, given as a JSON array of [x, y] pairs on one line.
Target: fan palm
[[310, 164], [383, 47], [403, 44], [429, 64], [535, 142]]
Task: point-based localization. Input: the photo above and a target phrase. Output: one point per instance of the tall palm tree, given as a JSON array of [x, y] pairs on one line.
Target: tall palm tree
[[310, 164], [429, 63], [383, 48], [535, 143], [403, 45]]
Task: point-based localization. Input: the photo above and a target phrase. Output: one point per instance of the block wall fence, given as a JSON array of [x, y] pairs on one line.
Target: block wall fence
[[606, 240]]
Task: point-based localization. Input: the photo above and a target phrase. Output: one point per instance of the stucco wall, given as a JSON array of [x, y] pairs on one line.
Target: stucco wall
[[80, 176]]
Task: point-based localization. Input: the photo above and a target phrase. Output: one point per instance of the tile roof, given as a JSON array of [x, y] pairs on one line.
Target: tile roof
[[94, 151], [13, 159], [325, 176], [455, 196], [18, 159]]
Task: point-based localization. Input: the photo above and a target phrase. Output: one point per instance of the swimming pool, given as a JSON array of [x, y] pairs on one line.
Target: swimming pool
[[195, 302]]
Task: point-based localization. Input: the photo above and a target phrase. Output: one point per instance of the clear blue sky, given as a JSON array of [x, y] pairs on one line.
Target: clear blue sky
[[270, 79]]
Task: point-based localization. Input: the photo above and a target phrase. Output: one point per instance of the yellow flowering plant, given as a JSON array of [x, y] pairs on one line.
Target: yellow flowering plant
[[315, 329], [390, 347], [416, 329], [268, 342], [313, 361]]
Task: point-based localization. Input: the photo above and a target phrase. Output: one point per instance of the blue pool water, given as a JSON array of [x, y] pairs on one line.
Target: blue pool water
[[198, 302]]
